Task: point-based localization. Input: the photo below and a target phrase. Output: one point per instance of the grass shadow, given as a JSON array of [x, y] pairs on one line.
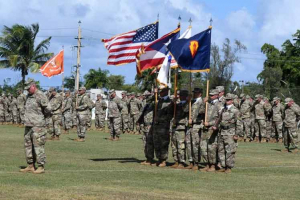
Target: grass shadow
[[120, 160]]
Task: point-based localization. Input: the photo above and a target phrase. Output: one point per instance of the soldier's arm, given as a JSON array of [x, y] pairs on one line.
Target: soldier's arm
[[68, 105], [57, 104], [44, 103], [85, 104]]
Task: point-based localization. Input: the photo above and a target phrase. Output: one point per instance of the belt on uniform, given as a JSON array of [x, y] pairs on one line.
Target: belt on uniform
[[228, 127]]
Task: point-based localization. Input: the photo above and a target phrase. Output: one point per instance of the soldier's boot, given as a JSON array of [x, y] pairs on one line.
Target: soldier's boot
[[147, 162], [263, 140], [175, 165], [56, 137], [204, 169], [39, 170], [117, 139], [294, 151], [280, 140], [29, 168], [228, 171], [180, 166], [111, 139], [52, 137], [284, 150], [221, 170], [257, 139], [190, 166], [163, 163], [212, 168], [195, 167]]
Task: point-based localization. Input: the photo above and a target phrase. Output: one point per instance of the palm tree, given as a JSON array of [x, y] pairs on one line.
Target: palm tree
[[18, 50], [96, 78]]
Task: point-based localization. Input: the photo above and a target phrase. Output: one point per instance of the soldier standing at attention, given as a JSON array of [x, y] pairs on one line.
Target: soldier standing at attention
[[221, 95], [100, 112], [67, 112], [245, 109], [227, 135], [179, 127], [2, 111], [208, 145], [114, 114], [91, 105], [268, 119], [36, 107], [125, 114], [291, 117], [14, 110], [134, 112], [161, 131], [56, 105], [21, 107], [278, 113], [147, 118], [82, 108]]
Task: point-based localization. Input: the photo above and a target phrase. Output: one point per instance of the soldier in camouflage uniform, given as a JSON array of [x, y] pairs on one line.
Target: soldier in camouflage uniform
[[277, 115], [82, 114], [125, 114], [196, 124], [161, 130], [221, 95], [260, 110], [115, 107], [91, 105], [208, 145], [245, 110], [291, 117], [2, 111], [74, 112], [134, 109], [56, 105], [36, 108], [146, 118], [21, 106], [227, 135], [100, 113], [268, 119], [179, 129], [14, 110], [67, 109], [7, 111]]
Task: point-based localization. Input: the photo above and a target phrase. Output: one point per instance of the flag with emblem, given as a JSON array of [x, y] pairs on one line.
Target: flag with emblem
[[193, 54], [122, 48], [153, 55], [54, 66]]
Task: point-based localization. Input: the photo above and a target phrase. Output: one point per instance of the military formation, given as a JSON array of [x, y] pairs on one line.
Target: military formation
[[203, 133]]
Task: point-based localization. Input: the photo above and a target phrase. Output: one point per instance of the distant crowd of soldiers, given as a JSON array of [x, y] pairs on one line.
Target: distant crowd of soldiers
[[203, 132]]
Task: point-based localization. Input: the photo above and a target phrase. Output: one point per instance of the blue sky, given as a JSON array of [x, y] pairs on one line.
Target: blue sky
[[253, 22]]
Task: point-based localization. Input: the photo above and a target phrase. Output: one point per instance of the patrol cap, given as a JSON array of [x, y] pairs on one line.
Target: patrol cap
[[276, 99], [28, 83], [124, 92], [82, 88], [258, 96], [111, 91], [183, 93], [266, 98], [242, 95], [146, 93], [138, 94], [247, 96], [220, 88], [51, 89], [213, 92], [288, 100], [99, 95], [198, 90], [229, 96]]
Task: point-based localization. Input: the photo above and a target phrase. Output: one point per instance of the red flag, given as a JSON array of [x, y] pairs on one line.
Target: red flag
[[54, 66]]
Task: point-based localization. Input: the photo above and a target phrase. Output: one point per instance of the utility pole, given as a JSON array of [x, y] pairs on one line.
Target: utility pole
[[78, 57]]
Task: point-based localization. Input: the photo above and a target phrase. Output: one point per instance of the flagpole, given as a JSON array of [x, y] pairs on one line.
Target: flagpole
[[156, 87], [190, 88]]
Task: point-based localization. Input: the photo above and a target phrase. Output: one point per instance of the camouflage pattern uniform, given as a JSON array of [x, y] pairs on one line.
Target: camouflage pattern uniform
[[100, 114], [226, 143], [161, 130], [2, 110], [115, 107], [268, 118], [291, 116], [21, 107], [125, 115], [56, 105], [245, 110], [260, 111], [14, 110], [36, 108], [179, 129], [82, 114], [278, 112], [146, 117], [134, 108], [74, 112], [7, 111], [67, 109], [91, 105]]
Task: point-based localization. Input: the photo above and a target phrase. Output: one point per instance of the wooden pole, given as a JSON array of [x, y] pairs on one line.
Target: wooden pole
[[63, 77], [206, 104], [175, 90], [190, 102]]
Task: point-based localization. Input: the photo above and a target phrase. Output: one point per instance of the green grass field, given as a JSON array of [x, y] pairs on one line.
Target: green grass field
[[102, 169]]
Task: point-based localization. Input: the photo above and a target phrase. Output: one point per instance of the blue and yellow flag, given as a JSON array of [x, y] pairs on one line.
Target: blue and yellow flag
[[193, 54]]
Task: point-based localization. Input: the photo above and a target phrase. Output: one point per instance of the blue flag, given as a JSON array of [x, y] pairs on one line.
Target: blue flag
[[192, 54]]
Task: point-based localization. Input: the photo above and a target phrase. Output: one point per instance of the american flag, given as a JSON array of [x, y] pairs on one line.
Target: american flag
[[122, 48]]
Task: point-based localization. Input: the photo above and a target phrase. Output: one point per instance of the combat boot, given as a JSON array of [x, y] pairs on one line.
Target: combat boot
[[117, 139], [195, 167], [204, 169], [228, 171], [294, 151], [221, 170], [52, 138], [284, 150], [190, 166], [180, 166], [56, 137], [162, 164], [257, 139], [40, 170], [111, 139], [175, 165], [212, 168], [29, 168], [280, 140]]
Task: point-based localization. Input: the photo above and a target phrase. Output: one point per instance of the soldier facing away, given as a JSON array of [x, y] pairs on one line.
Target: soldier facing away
[[36, 108], [114, 114], [67, 112], [100, 113], [82, 109], [56, 105]]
